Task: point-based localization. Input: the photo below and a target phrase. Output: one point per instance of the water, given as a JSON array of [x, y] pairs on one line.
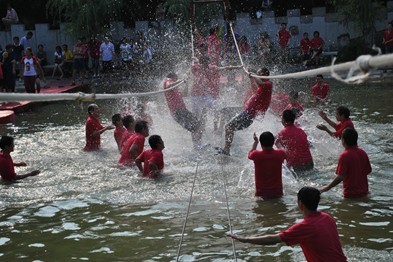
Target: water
[[81, 207]]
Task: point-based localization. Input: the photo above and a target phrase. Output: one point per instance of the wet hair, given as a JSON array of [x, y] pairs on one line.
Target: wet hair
[[350, 137], [266, 139], [263, 71], [310, 197], [321, 76], [140, 125], [154, 140], [204, 59], [172, 75], [289, 116], [91, 108], [127, 121], [116, 118], [343, 111], [6, 141]]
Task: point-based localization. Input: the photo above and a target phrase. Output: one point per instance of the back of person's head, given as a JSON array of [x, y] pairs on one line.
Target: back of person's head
[[140, 125], [266, 139], [116, 118], [172, 75], [154, 140], [91, 108], [289, 116], [212, 30], [343, 111], [320, 76], [310, 197], [128, 120], [6, 141], [350, 137], [263, 71]]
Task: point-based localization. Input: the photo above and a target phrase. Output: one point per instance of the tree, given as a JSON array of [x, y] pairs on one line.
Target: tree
[[88, 17], [363, 14]]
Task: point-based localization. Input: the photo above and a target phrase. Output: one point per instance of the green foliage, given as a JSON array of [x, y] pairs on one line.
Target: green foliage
[[87, 17]]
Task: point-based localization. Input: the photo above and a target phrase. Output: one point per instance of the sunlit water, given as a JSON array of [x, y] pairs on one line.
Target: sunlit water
[[82, 207]]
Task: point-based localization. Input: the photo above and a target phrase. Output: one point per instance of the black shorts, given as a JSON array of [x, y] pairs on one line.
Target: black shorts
[[79, 64], [241, 121], [187, 120]]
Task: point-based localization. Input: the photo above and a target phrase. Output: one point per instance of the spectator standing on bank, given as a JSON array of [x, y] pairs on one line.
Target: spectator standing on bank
[[388, 39], [26, 41], [94, 52], [107, 51], [8, 63]]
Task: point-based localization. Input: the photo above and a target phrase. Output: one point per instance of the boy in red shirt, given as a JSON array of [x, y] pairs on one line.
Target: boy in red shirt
[[353, 167], [342, 115], [119, 129], [7, 165], [283, 36], [294, 141], [128, 123], [94, 129], [320, 90], [133, 147], [256, 105], [268, 167], [317, 234], [153, 158]]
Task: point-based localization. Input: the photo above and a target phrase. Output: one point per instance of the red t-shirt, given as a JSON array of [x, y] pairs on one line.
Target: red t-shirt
[[259, 102], [126, 135], [354, 166], [318, 237], [341, 126], [388, 35], [151, 156], [320, 92], [283, 37], [126, 158], [118, 134], [305, 45], [268, 171], [173, 97], [317, 42], [279, 102], [7, 170], [206, 81], [92, 142], [294, 141], [296, 104]]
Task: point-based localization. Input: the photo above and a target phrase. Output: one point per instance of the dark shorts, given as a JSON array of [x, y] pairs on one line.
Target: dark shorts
[[187, 120], [29, 83], [241, 121], [79, 64]]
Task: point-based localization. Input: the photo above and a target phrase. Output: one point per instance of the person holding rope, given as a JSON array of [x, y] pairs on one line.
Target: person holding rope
[[180, 113], [342, 115], [153, 159], [256, 105], [317, 234]]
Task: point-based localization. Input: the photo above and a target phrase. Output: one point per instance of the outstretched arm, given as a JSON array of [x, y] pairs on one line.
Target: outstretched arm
[[99, 132], [260, 240], [32, 173], [255, 144], [324, 117], [332, 184]]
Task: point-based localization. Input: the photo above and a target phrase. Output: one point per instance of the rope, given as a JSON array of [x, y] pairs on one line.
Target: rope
[[82, 97], [237, 47], [192, 43], [228, 213], [188, 212]]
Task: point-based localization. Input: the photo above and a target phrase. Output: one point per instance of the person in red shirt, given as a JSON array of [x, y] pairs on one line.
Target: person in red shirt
[[94, 52], [119, 129], [153, 158], [256, 105], [316, 44], [317, 234], [352, 169], [128, 123], [342, 115], [283, 36], [214, 45], [294, 141], [268, 167], [305, 48], [7, 165], [133, 147], [294, 104], [180, 113], [94, 129], [388, 39], [320, 90]]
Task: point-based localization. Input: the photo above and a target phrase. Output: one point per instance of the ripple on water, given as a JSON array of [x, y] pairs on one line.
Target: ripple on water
[[4, 240], [47, 211]]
